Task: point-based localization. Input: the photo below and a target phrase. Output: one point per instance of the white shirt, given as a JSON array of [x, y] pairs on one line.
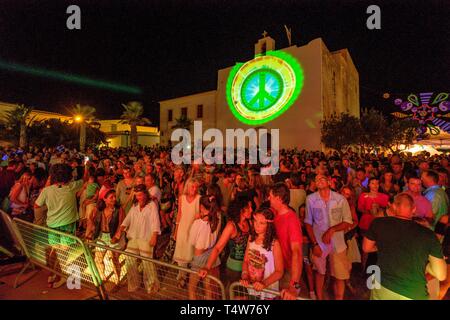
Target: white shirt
[[322, 216], [142, 224], [200, 235]]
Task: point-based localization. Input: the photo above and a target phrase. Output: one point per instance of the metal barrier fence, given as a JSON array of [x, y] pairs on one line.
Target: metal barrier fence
[[111, 272], [119, 274], [130, 276], [61, 253], [239, 292], [12, 233]]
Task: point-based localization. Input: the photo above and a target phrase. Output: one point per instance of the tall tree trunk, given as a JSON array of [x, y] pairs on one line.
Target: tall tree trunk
[[23, 136], [134, 136], [82, 136]]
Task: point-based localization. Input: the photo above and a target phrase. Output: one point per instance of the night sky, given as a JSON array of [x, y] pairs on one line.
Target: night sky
[[174, 48]]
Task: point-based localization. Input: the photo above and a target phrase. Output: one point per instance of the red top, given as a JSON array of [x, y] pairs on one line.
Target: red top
[[365, 204], [288, 231]]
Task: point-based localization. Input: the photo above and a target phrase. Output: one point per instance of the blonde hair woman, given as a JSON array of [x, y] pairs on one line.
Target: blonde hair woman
[[188, 211]]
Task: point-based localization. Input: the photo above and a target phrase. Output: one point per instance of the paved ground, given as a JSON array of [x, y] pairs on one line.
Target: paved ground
[[33, 286]]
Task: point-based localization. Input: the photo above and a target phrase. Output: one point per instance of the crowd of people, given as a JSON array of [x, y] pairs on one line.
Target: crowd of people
[[290, 232]]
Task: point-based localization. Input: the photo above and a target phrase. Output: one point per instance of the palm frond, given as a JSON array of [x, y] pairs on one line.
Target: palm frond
[[132, 114], [86, 111], [31, 120]]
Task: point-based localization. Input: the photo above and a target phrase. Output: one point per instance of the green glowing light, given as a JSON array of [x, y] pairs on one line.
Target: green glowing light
[[69, 78], [264, 88]]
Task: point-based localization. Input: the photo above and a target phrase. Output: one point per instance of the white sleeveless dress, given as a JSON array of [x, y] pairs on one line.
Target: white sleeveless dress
[[184, 251]]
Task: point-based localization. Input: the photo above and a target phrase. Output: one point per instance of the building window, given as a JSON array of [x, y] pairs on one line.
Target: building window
[[200, 111], [184, 112], [170, 115]]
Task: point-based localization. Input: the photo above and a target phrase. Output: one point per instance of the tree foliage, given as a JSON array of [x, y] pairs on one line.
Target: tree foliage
[[16, 121], [340, 131], [373, 126], [183, 122], [132, 115], [54, 132], [400, 132], [371, 131]]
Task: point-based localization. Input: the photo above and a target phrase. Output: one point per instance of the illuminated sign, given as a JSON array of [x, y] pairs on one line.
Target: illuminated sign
[[261, 89]]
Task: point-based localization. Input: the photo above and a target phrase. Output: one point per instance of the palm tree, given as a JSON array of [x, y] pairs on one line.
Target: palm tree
[[83, 114], [132, 115], [183, 122], [18, 117]]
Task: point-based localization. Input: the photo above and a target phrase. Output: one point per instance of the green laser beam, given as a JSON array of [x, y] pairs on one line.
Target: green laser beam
[[69, 78]]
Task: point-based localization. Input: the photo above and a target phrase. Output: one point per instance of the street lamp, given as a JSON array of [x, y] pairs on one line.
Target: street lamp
[[79, 118]]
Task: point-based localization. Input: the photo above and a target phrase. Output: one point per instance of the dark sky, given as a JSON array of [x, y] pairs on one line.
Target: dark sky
[[173, 48]]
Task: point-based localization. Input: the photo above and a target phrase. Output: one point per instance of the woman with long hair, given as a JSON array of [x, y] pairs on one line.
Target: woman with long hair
[[213, 190], [143, 227], [188, 211], [387, 184], [103, 225], [263, 260], [235, 234], [203, 237], [371, 204]]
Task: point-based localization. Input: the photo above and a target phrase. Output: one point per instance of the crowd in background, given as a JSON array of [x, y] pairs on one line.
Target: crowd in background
[[316, 218]]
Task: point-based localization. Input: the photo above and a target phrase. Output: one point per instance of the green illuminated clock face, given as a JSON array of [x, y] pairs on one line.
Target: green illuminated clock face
[[265, 87]]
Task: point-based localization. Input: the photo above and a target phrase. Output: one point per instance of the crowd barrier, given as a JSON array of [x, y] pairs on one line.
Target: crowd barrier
[[60, 253], [239, 292], [117, 274], [110, 272], [130, 276], [11, 233]]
